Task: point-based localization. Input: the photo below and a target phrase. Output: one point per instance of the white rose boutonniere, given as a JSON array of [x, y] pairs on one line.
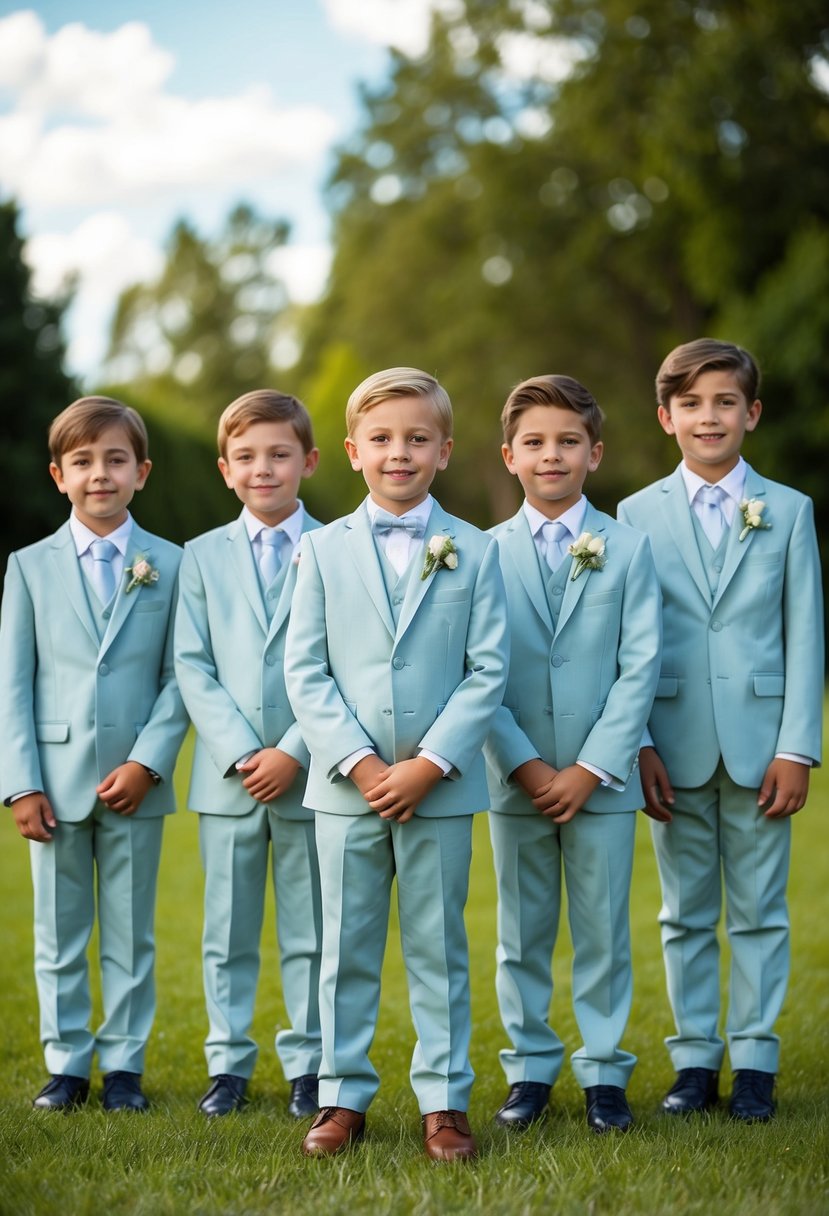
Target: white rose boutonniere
[[588, 551], [440, 551], [752, 509], [141, 573]]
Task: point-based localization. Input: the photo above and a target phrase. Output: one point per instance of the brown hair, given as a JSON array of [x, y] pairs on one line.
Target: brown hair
[[685, 363], [563, 391], [399, 382], [265, 405], [85, 419]]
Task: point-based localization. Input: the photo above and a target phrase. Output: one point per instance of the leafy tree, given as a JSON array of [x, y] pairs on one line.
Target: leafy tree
[[33, 389], [203, 332]]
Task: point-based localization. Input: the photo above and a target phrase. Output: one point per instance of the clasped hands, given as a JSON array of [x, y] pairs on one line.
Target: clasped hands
[[122, 791], [394, 791], [557, 793]]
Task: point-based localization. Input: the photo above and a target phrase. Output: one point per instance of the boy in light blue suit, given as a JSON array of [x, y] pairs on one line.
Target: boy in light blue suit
[[91, 722], [395, 665], [736, 724], [561, 755], [237, 583]]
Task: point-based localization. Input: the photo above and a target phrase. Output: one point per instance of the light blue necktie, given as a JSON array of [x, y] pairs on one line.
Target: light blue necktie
[[102, 575], [270, 555], [555, 549], [712, 518], [384, 524]]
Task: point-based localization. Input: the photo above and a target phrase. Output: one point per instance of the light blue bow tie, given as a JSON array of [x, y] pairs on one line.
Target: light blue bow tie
[[384, 523]]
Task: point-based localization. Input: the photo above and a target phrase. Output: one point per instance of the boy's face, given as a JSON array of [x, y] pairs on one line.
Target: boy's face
[[398, 446], [264, 465], [551, 454], [709, 422], [100, 478]]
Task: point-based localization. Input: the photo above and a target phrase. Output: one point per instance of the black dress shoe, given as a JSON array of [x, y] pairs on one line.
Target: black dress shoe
[[526, 1103], [226, 1094], [304, 1100], [607, 1108], [122, 1091], [62, 1093], [695, 1089], [751, 1097]]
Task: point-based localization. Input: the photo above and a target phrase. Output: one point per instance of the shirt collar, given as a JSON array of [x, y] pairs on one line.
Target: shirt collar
[[83, 536], [292, 526], [573, 518], [733, 484], [420, 513]]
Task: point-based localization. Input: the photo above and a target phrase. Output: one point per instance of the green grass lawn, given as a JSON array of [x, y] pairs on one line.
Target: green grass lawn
[[175, 1161]]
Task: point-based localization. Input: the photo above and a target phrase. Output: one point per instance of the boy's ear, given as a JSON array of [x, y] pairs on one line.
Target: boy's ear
[[224, 469], [143, 473], [596, 453], [445, 452], [509, 461], [353, 455], [753, 414], [665, 420], [57, 476], [312, 459]]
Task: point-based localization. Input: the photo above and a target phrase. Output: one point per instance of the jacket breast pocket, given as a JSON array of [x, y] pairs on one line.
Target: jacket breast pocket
[[600, 597], [451, 595], [150, 605], [52, 732]]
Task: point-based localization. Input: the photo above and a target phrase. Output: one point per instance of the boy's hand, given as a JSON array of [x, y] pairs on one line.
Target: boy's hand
[[566, 794], [124, 789], [367, 772], [270, 772], [656, 785], [34, 817], [784, 788], [534, 776], [403, 787]]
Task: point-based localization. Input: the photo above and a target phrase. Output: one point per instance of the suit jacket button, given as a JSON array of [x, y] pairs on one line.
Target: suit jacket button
[[103, 670], [397, 663], [716, 626], [557, 591], [556, 660], [270, 660]]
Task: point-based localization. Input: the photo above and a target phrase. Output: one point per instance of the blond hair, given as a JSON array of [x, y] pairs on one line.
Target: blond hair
[[399, 382], [84, 420], [265, 405]]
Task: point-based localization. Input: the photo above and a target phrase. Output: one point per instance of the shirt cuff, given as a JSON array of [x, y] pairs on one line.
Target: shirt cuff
[[606, 778], [23, 794], [437, 760], [807, 760], [345, 766]]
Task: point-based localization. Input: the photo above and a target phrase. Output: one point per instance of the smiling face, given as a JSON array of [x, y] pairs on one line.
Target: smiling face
[[100, 478], [551, 454], [710, 421], [398, 446], [264, 465]]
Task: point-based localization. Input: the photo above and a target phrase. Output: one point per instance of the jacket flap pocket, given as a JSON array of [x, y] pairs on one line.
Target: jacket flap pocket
[[51, 732], [667, 686], [769, 684]]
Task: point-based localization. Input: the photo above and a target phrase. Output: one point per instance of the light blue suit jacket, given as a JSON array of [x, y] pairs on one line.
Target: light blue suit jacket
[[433, 682], [229, 662], [742, 670], [582, 689], [72, 707]]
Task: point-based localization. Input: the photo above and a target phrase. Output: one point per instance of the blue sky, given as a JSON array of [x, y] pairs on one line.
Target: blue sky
[[117, 118]]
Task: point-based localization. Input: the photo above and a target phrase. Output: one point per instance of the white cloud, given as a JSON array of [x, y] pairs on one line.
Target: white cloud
[[106, 256], [92, 124], [303, 269], [403, 24], [525, 56]]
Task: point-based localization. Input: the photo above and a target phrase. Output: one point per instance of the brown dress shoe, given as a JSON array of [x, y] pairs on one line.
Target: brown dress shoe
[[448, 1137], [333, 1130]]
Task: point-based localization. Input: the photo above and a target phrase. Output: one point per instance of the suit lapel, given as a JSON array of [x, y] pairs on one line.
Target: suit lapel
[[574, 589], [140, 544], [677, 514], [283, 606], [360, 544], [244, 567], [438, 524], [517, 543], [736, 549], [71, 578]]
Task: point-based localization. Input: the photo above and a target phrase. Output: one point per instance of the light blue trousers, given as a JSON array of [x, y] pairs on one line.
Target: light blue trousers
[[235, 850], [359, 856], [595, 853], [719, 833], [118, 856]]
